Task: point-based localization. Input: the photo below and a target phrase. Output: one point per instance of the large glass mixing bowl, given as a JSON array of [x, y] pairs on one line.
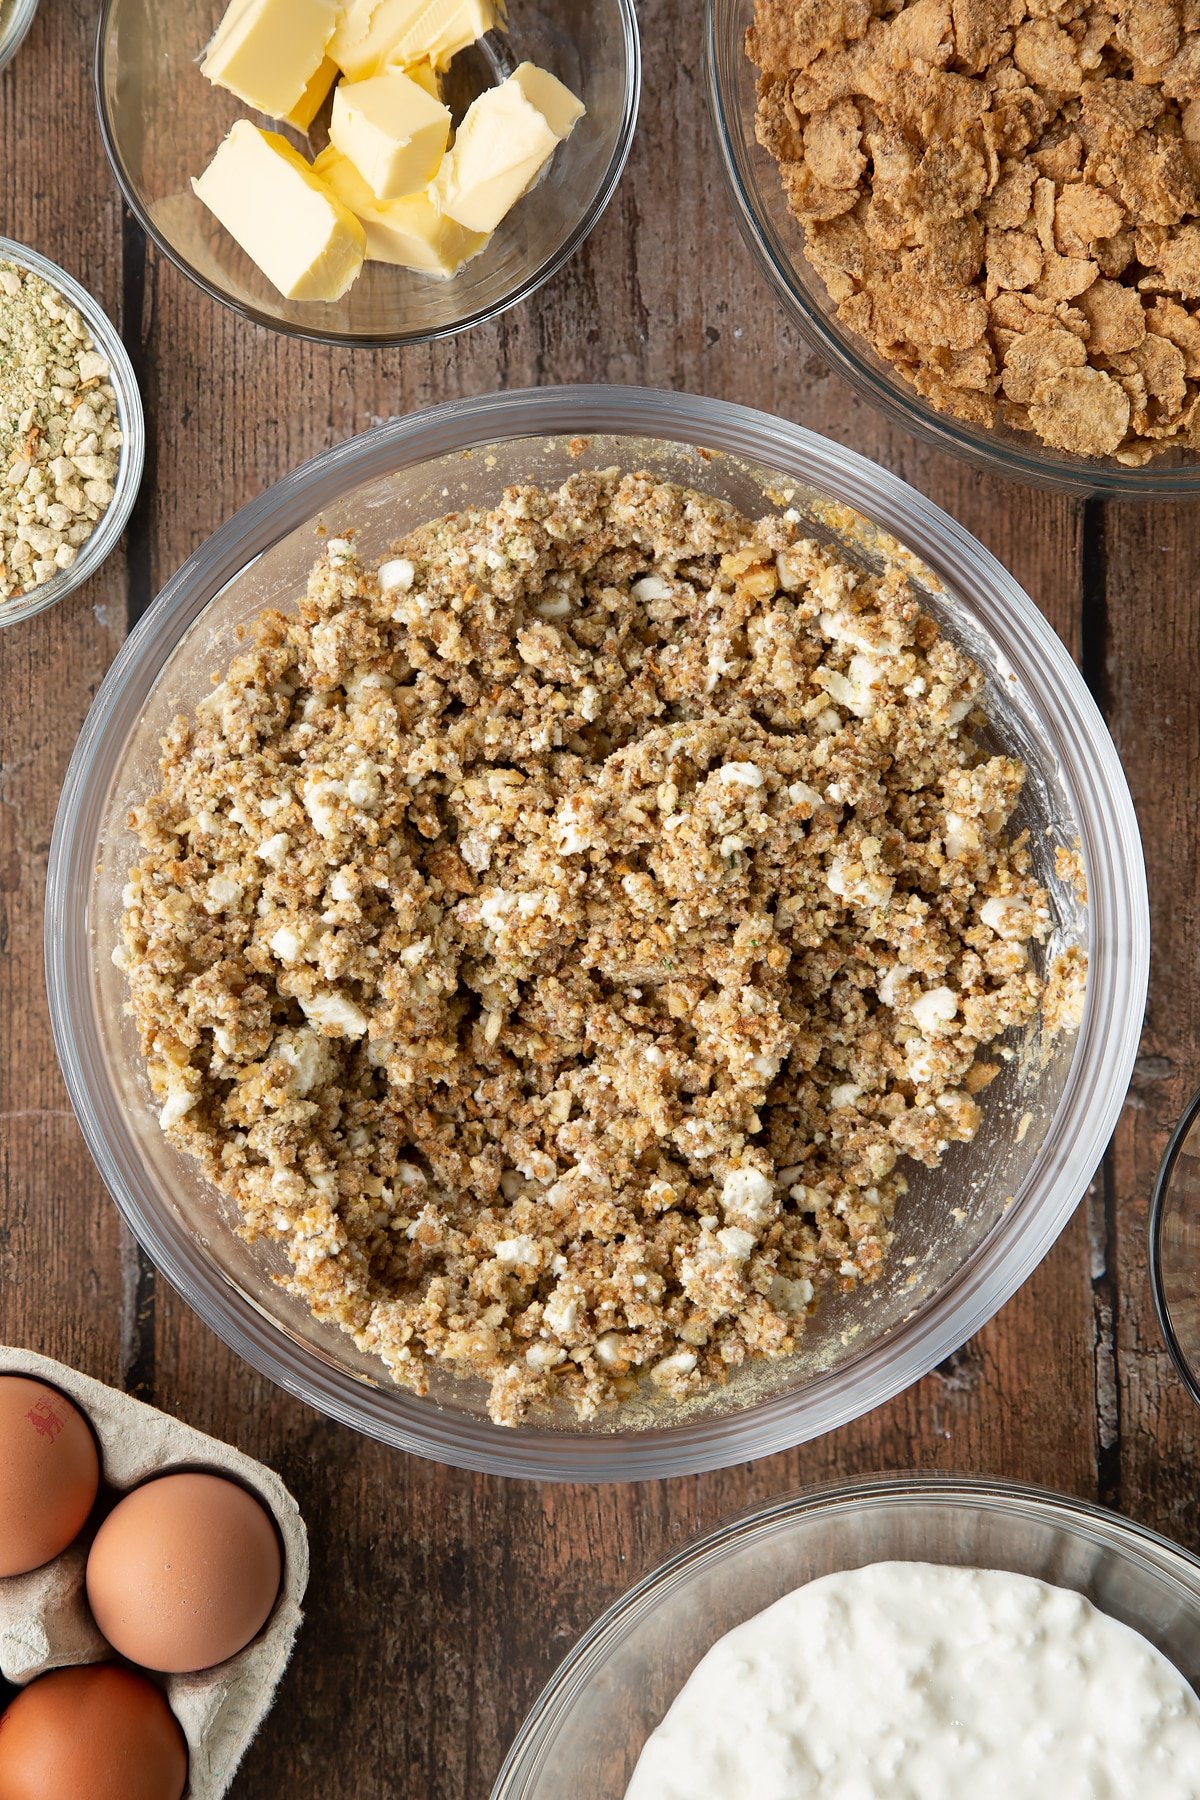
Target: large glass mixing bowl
[[967, 1235]]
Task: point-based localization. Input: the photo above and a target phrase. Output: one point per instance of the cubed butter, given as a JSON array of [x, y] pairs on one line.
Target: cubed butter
[[423, 73], [312, 99], [411, 233], [393, 132], [505, 141], [374, 32], [269, 52], [283, 215]]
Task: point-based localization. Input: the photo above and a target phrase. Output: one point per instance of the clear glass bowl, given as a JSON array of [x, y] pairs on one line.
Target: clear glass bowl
[[777, 241], [973, 1231], [587, 1729], [133, 451], [162, 122], [1175, 1247], [16, 16]]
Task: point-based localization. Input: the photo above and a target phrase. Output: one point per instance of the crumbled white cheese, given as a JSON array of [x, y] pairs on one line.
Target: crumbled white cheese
[[178, 1103], [287, 944], [962, 835], [1008, 916], [517, 1251], [493, 907], [870, 888], [273, 850], [651, 587], [319, 799], [396, 576], [889, 987], [749, 1195], [561, 1313], [792, 1298], [610, 1350], [937, 1006], [800, 794], [222, 893], [736, 1243], [741, 774], [671, 1368], [305, 1054], [337, 1015]]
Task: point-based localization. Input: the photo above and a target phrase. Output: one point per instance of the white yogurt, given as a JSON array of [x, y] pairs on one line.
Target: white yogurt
[[920, 1682]]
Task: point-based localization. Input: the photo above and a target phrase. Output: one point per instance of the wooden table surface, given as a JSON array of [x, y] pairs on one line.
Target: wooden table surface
[[441, 1601]]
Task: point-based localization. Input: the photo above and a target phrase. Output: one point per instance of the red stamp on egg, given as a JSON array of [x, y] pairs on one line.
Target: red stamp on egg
[[45, 1420]]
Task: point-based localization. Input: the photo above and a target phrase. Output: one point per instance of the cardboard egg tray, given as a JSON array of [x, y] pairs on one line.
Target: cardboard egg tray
[[44, 1618]]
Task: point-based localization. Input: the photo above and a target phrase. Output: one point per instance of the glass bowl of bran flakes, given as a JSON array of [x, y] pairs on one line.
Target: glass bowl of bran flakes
[[777, 241]]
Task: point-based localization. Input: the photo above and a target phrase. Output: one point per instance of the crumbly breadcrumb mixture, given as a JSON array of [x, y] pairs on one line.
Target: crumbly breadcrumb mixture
[[60, 432], [563, 935], [1003, 199]]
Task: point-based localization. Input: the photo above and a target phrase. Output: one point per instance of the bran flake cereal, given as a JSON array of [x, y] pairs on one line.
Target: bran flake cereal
[[1003, 199]]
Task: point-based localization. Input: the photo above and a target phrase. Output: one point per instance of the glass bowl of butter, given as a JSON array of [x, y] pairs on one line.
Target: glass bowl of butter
[[440, 170]]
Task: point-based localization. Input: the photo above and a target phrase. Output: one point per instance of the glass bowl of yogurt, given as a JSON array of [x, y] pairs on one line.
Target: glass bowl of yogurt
[[162, 123], [867, 1585]]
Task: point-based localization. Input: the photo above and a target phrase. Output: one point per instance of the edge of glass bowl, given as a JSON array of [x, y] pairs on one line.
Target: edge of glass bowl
[[107, 534], [529, 285], [1118, 924], [11, 39], [587, 1656], [902, 406], [1154, 1228]]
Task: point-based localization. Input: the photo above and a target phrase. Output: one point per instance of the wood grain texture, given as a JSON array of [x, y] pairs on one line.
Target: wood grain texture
[[441, 1601], [1153, 704]]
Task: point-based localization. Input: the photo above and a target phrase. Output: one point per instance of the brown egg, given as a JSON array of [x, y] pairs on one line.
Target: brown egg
[[184, 1572], [49, 1473], [97, 1733]]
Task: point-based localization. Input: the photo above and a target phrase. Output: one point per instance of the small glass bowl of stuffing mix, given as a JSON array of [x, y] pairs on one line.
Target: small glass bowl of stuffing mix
[[989, 226], [72, 434]]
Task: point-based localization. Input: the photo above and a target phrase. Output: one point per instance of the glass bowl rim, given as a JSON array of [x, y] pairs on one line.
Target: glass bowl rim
[[107, 533], [23, 14], [529, 285], [1154, 1230], [586, 1657], [1078, 1130], [902, 406]]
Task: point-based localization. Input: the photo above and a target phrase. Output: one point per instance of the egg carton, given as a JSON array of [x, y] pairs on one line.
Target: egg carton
[[44, 1618]]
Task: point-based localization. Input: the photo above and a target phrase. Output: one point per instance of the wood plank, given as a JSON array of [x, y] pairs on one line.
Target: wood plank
[[1152, 636], [66, 1263]]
